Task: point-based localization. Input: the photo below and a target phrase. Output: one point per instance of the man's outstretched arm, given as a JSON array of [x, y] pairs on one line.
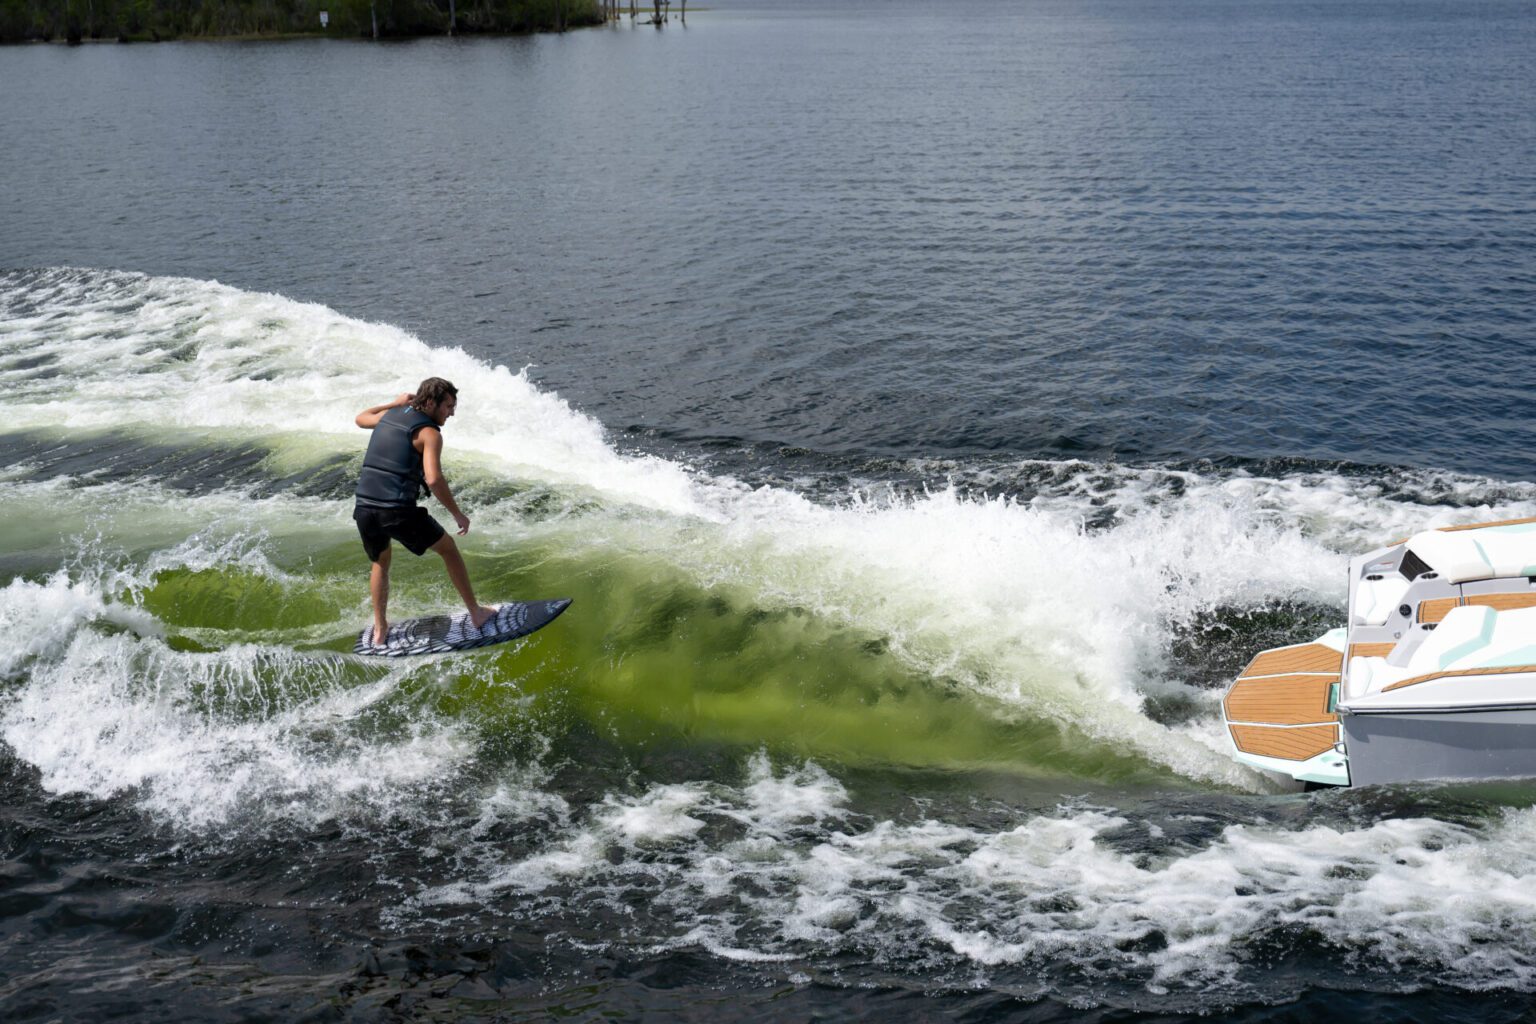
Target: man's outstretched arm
[[369, 418], [432, 473]]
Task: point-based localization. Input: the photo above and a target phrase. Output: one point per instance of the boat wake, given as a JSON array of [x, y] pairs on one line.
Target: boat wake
[[954, 714]]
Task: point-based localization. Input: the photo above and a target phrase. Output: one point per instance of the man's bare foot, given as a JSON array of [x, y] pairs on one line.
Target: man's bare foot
[[480, 616], [380, 633]]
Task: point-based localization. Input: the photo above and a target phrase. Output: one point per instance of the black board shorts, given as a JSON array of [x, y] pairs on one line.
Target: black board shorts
[[411, 526]]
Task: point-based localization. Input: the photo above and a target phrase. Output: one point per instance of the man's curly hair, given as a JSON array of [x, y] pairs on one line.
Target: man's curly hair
[[432, 391]]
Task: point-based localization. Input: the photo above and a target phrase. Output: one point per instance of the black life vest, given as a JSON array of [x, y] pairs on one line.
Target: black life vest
[[392, 474]]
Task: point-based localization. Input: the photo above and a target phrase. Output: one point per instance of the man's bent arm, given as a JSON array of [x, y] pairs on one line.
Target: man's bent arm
[[369, 418]]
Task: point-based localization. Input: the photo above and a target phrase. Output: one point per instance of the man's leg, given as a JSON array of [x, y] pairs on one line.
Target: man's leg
[[378, 590], [479, 614]]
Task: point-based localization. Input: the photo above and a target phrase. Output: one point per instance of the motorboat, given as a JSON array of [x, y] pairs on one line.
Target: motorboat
[[1434, 677]]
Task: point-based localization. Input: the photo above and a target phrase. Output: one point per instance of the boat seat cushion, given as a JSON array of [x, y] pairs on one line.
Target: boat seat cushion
[[1478, 554], [1512, 642], [1461, 635]]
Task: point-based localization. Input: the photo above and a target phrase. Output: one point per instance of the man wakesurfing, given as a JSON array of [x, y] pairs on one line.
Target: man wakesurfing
[[403, 462]]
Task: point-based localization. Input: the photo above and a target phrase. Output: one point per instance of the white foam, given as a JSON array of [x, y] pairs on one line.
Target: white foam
[[776, 802], [246, 364], [37, 619], [1049, 892], [200, 738], [518, 798]]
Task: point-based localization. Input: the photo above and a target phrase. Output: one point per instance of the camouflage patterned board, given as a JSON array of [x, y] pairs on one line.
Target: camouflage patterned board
[[438, 634]]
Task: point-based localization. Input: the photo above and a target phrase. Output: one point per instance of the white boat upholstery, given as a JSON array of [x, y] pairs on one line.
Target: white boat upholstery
[[1469, 637], [1375, 599], [1478, 554]]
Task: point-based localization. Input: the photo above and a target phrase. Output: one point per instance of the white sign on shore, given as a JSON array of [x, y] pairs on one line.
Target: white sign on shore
[[325, 19]]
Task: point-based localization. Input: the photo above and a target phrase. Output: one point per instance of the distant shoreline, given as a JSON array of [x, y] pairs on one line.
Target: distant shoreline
[[154, 21], [253, 37], [244, 37]]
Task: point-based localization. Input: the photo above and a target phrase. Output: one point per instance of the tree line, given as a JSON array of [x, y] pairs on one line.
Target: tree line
[[135, 20]]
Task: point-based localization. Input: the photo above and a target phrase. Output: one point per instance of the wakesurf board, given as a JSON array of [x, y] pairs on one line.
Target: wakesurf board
[[439, 634]]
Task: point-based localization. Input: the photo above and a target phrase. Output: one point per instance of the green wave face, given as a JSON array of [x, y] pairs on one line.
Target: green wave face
[[649, 657], [645, 657]]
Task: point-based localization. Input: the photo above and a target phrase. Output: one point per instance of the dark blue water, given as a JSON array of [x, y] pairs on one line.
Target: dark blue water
[[1192, 298], [1143, 230]]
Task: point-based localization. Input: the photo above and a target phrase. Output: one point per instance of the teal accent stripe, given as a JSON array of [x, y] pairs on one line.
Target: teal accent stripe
[[1483, 555], [1524, 656]]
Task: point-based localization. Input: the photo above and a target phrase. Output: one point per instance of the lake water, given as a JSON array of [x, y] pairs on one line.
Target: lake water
[[929, 407]]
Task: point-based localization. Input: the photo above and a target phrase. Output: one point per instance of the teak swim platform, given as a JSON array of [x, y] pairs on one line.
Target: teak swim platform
[[1282, 704]]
